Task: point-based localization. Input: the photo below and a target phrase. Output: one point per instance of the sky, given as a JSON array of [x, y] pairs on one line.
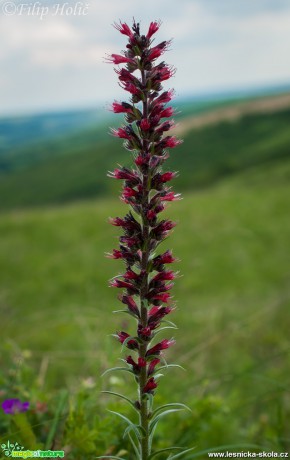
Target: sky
[[52, 51]]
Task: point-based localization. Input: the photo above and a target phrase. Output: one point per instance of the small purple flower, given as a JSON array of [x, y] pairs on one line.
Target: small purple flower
[[12, 406]]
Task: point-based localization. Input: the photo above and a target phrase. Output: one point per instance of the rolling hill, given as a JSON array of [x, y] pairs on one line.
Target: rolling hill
[[78, 165]]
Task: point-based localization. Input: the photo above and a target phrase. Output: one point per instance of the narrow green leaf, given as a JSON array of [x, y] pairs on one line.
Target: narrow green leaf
[[112, 369], [158, 417], [170, 366], [134, 427], [61, 404], [122, 397], [163, 360], [166, 321], [150, 401], [137, 452], [172, 457], [142, 430], [163, 329], [139, 427], [160, 451], [172, 405], [151, 437]]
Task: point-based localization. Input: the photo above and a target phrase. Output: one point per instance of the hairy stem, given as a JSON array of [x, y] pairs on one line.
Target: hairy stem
[[144, 319]]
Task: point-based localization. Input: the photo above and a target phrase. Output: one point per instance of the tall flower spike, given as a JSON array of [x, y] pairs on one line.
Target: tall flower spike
[[146, 281]]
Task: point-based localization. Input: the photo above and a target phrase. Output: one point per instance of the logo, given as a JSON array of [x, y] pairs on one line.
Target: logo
[[16, 450], [9, 448]]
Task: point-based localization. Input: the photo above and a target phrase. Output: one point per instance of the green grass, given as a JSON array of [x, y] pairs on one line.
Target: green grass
[[233, 304], [78, 165]]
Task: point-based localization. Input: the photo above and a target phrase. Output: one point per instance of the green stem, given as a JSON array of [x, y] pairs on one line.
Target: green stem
[[144, 421], [144, 410]]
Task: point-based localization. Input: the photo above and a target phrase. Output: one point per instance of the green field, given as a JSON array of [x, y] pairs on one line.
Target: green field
[[233, 302]]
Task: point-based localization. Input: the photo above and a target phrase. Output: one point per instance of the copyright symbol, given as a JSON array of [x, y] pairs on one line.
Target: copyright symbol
[[9, 8]]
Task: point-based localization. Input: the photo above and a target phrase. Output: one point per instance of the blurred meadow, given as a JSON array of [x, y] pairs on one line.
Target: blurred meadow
[[232, 239]]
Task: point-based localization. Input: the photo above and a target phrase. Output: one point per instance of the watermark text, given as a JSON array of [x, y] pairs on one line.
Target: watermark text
[[41, 10]]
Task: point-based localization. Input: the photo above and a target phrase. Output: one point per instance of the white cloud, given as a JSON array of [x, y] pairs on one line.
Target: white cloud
[[29, 31], [229, 45]]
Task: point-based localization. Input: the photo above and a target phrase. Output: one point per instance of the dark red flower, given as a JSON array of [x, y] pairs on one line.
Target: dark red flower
[[124, 107], [131, 275], [157, 50], [130, 241], [124, 29], [152, 366], [165, 275], [115, 255], [154, 53], [154, 26], [165, 73], [170, 142], [123, 133], [151, 214], [131, 304], [150, 386], [159, 208], [119, 59], [131, 88], [144, 332], [123, 285], [165, 258], [171, 196], [156, 314], [129, 223], [124, 254], [136, 366], [156, 350], [165, 126], [117, 221], [142, 362], [168, 112], [132, 344], [163, 297], [145, 124], [167, 176], [165, 97], [126, 77], [124, 174], [122, 336], [163, 227], [142, 160], [129, 192]]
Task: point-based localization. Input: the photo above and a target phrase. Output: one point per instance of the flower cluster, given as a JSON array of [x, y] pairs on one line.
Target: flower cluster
[[147, 280]]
